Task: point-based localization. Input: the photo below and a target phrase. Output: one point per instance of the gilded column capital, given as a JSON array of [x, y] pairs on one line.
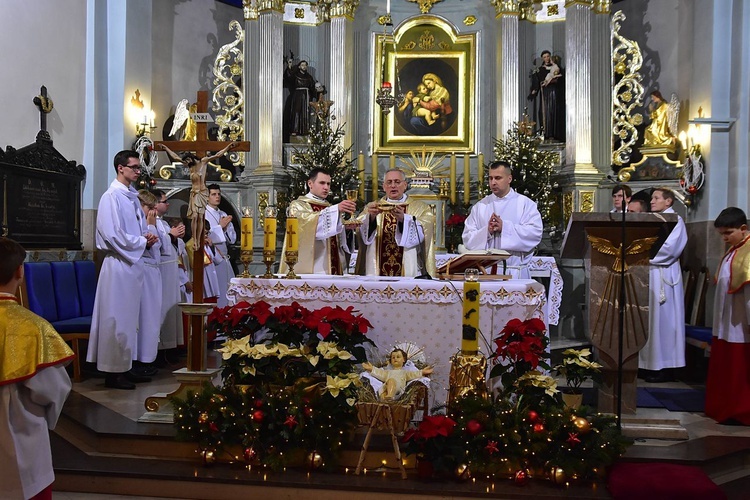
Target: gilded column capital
[[338, 8], [506, 7], [250, 10], [583, 3], [269, 5], [602, 6]]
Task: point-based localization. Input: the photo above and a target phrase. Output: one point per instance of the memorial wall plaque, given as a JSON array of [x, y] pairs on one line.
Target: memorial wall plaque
[[40, 196]]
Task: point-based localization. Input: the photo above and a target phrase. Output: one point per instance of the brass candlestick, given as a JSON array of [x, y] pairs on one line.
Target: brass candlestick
[[269, 257], [246, 256], [291, 260]]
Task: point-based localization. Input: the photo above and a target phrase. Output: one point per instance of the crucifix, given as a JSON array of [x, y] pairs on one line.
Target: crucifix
[[201, 147], [45, 105]]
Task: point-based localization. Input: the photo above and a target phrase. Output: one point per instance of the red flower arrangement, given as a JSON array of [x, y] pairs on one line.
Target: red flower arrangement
[[455, 220], [436, 441], [521, 347]]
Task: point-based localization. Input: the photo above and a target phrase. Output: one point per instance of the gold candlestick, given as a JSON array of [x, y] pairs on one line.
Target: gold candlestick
[[246, 256], [269, 257], [291, 260]]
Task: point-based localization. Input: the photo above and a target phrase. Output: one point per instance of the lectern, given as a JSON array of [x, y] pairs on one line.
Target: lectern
[[597, 237]]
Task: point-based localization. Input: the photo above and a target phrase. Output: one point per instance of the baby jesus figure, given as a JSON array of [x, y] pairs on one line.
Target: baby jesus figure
[[395, 379]]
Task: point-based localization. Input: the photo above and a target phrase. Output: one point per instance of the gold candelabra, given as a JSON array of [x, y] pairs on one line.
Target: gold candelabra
[[269, 257], [291, 260], [246, 256]]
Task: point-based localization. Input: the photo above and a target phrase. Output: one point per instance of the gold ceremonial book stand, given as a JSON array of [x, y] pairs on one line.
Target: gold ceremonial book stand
[[484, 260]]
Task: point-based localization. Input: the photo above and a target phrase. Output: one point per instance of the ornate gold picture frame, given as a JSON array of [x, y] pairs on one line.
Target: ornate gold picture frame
[[433, 68]]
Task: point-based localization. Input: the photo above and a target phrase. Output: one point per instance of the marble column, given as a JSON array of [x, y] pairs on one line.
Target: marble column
[[508, 90], [251, 85], [578, 153], [270, 50], [342, 62]]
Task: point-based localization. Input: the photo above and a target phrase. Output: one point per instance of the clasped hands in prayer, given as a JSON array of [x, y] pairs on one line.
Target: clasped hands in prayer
[[495, 225]]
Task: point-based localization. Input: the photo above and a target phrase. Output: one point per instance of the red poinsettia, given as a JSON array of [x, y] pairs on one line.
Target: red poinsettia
[[435, 440], [455, 220], [521, 347]]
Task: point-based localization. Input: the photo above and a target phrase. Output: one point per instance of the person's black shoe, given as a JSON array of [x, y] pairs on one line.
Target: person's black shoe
[[136, 378], [118, 381], [658, 376], [144, 370]]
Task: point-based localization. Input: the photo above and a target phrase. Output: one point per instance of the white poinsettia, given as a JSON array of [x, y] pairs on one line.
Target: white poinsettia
[[233, 347], [537, 379], [335, 385], [330, 350]]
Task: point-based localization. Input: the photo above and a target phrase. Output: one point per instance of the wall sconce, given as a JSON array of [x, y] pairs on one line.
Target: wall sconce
[[693, 175]]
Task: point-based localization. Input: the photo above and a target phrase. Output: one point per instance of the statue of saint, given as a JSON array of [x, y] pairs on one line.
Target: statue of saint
[[301, 87], [661, 131], [548, 92]]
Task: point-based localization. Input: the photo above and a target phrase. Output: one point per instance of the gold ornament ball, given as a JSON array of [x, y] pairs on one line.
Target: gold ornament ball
[[203, 418], [558, 476], [463, 473], [582, 425], [209, 457], [314, 460]]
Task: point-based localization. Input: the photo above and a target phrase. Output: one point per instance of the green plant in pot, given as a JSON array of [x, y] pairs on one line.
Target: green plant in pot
[[577, 367]]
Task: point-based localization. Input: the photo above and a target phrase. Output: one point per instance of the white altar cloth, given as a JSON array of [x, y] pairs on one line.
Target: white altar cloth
[[426, 312]]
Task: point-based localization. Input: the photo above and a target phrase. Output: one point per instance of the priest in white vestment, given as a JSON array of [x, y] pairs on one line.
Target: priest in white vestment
[[122, 239], [222, 235], [397, 233], [322, 245], [505, 220], [665, 347]]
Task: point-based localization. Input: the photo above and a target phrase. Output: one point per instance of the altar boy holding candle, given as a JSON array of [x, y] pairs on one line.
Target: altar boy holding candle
[[505, 220], [322, 246]]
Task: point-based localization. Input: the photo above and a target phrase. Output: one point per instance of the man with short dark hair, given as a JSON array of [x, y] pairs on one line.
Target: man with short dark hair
[[122, 237], [33, 386], [222, 235], [321, 242], [505, 220], [618, 193]]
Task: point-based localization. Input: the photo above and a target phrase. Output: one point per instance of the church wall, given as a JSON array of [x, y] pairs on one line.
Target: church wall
[[36, 52]]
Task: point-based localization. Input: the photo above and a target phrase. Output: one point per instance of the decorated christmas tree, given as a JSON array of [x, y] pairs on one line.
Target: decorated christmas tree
[[533, 168]]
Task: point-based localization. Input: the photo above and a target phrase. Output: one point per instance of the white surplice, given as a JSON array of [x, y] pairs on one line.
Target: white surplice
[[113, 343], [521, 233], [171, 316], [665, 347], [221, 238]]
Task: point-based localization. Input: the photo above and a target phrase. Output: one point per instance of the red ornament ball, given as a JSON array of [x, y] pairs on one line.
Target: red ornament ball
[[258, 403], [521, 477], [533, 416], [213, 427], [152, 182], [473, 427], [538, 427], [250, 454], [258, 416], [308, 411]]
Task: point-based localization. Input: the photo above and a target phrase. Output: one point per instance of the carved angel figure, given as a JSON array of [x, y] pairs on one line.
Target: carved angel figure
[[663, 128], [182, 121]]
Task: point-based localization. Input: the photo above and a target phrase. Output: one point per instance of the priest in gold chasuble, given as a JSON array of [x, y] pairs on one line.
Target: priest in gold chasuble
[[397, 233], [322, 246]]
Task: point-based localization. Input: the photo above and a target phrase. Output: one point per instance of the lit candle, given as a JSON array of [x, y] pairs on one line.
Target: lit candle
[[247, 233], [480, 168], [467, 179], [292, 234], [392, 161], [361, 168], [453, 179], [374, 159], [269, 230], [470, 321]]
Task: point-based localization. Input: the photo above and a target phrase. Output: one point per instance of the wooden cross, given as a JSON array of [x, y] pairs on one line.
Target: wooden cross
[[45, 105], [201, 147]]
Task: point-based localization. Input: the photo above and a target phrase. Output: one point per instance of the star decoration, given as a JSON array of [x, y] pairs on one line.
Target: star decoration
[[291, 422], [491, 447], [573, 438]]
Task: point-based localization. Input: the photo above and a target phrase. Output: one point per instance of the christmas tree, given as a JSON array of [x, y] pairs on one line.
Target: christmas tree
[[533, 168]]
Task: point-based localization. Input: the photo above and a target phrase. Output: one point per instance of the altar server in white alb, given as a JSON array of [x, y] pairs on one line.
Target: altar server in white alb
[[222, 235], [171, 316], [122, 238], [665, 347], [505, 220]]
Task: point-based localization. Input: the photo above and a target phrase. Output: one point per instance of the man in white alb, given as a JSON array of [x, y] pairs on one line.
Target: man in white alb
[[222, 235], [505, 220]]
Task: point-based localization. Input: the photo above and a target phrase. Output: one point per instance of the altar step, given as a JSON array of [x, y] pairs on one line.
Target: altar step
[[97, 450]]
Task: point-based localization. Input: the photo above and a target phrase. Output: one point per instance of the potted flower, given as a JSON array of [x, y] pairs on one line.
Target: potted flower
[[521, 347], [576, 367], [454, 228], [436, 445]]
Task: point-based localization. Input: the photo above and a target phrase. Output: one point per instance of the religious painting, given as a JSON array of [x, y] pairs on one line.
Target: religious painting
[[431, 70]]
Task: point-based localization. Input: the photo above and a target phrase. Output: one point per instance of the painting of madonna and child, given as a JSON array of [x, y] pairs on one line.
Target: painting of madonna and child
[[430, 104]]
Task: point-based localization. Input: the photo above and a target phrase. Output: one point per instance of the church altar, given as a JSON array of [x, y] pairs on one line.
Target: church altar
[[539, 267], [426, 312]]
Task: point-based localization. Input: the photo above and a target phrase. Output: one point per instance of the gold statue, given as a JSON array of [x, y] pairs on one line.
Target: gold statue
[[661, 133]]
